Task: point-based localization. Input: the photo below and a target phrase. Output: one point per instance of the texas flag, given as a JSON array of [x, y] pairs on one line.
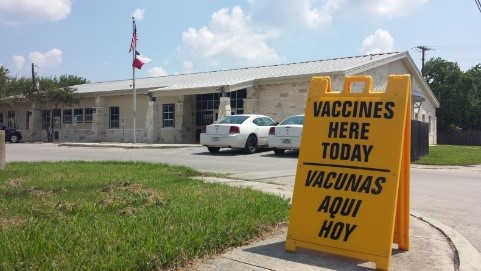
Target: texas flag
[[140, 60]]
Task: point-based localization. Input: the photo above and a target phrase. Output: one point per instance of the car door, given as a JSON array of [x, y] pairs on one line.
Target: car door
[[265, 124]]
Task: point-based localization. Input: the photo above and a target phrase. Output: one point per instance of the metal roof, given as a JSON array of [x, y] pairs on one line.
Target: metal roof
[[238, 77]]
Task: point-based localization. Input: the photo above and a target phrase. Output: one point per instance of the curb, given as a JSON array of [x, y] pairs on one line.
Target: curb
[[467, 258], [128, 145]]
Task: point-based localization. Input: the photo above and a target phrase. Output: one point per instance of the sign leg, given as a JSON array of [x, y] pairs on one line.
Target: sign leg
[[290, 245]]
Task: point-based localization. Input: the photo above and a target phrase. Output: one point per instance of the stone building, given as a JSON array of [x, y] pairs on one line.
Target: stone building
[[172, 109]]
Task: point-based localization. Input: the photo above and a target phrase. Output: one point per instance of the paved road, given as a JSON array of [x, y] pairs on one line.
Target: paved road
[[447, 194], [450, 195]]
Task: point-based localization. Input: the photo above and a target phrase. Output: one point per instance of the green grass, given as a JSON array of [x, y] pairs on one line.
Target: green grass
[[452, 155], [122, 216]]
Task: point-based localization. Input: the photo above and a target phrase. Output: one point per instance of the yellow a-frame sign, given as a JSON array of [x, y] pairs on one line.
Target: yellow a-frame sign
[[351, 194]]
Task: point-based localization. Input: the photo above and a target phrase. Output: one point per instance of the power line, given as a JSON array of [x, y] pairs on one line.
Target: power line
[[457, 47], [467, 57], [478, 4]]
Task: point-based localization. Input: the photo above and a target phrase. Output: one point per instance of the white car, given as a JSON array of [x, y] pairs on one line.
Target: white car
[[245, 131], [286, 135]]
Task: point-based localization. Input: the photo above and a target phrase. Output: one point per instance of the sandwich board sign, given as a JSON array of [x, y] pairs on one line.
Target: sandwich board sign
[[351, 193]]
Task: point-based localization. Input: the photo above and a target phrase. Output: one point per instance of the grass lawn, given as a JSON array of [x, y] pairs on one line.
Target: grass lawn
[[452, 155], [122, 216]]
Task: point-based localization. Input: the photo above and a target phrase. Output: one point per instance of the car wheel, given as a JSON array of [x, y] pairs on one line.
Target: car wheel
[[213, 149], [279, 151], [251, 144], [13, 139]]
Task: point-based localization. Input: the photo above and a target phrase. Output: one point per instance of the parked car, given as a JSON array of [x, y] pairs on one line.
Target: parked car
[[246, 131], [286, 135], [12, 135]]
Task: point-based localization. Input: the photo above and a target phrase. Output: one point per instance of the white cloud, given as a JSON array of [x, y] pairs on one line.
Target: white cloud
[[395, 8], [294, 14], [157, 71], [383, 8], [138, 14], [379, 42], [235, 38], [231, 40], [18, 62], [14, 12], [50, 59]]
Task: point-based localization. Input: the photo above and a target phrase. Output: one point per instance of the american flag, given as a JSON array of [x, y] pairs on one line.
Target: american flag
[[133, 43]]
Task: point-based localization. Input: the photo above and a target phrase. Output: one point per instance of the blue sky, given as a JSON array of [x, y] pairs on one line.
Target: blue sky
[[91, 38]]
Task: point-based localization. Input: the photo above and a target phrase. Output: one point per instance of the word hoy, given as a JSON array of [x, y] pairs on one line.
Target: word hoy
[[336, 230]]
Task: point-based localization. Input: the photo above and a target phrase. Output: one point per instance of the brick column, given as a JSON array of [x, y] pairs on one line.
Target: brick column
[[224, 107], [152, 124], [99, 119], [251, 102], [36, 130]]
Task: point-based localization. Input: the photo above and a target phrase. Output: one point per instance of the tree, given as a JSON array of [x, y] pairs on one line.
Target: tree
[[12, 91], [17, 89], [51, 93], [3, 82], [457, 91], [475, 75], [54, 93]]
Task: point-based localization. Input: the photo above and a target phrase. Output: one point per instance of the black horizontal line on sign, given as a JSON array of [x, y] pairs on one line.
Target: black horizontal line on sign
[[344, 166]]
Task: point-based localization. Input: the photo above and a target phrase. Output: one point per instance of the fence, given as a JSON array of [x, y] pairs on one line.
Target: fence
[[419, 139], [469, 138]]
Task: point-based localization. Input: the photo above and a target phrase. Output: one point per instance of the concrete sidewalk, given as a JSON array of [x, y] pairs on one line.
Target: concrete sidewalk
[[434, 246]]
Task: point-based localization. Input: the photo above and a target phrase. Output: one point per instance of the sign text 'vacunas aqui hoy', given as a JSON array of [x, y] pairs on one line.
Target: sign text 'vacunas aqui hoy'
[[352, 181]]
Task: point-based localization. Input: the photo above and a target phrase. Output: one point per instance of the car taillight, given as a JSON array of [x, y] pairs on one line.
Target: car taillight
[[234, 130], [202, 129], [272, 131]]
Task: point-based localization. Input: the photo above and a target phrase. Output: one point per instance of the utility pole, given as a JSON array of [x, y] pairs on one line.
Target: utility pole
[[36, 84], [33, 76], [423, 50]]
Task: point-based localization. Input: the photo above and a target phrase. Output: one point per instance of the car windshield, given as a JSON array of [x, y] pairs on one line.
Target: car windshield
[[236, 119], [293, 120]]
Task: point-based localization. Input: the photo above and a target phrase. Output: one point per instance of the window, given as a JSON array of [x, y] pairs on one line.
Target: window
[[258, 122], [236, 120], [114, 113], [67, 116], [11, 119], [237, 99], [168, 115], [29, 116], [206, 105], [45, 119], [56, 118], [79, 114], [268, 121], [89, 112]]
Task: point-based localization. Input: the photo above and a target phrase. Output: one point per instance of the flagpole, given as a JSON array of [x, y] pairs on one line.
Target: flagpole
[[133, 79]]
